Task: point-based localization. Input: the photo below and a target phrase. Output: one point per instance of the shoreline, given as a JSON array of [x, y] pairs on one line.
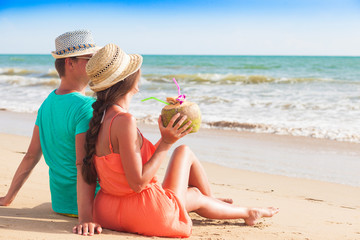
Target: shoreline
[[291, 156]]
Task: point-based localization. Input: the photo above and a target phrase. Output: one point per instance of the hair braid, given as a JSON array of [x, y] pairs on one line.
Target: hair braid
[[88, 168], [105, 99]]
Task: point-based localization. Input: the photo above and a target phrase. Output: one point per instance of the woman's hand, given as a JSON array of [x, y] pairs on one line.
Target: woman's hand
[[87, 229], [172, 133]]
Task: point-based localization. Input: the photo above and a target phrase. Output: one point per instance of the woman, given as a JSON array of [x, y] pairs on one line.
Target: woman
[[131, 199]]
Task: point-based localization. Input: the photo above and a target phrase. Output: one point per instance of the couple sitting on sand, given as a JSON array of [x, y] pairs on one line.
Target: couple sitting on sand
[[83, 145]]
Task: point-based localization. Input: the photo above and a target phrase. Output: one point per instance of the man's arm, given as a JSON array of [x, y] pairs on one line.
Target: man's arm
[[85, 193], [23, 171]]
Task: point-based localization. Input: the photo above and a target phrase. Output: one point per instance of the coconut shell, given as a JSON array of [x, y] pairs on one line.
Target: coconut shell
[[190, 109]]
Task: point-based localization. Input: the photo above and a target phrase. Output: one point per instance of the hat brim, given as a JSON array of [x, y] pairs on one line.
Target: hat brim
[[134, 65], [81, 52]]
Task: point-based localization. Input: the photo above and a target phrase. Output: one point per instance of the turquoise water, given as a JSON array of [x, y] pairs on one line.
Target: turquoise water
[[294, 95]]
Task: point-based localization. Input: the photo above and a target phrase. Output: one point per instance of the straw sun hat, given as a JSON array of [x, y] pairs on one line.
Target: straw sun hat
[[111, 65], [75, 43]]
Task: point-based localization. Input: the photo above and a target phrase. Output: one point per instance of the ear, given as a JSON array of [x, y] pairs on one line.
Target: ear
[[69, 63]]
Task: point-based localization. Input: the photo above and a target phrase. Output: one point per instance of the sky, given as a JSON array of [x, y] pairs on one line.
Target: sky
[[212, 27]]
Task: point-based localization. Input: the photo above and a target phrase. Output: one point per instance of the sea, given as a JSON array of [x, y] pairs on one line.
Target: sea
[[313, 96]]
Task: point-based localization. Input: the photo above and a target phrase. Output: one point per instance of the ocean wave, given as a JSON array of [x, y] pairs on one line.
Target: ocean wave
[[312, 132], [52, 73], [26, 77], [17, 59], [32, 81], [229, 79], [233, 125], [16, 72], [254, 67], [197, 78], [213, 99]]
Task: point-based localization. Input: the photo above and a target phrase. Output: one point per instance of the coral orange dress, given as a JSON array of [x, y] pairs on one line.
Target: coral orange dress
[[152, 212]]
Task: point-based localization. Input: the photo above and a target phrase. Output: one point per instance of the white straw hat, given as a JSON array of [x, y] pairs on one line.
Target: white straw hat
[[75, 43], [111, 65]]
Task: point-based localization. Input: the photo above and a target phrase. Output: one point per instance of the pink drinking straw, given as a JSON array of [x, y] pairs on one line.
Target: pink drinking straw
[[179, 93], [181, 97]]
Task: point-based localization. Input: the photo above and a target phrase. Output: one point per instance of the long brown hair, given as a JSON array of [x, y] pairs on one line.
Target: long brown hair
[[104, 99]]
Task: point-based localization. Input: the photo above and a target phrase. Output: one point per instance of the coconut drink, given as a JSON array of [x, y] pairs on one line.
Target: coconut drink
[[178, 104], [190, 109]]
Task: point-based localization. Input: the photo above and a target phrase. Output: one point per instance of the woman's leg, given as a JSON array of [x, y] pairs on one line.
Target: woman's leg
[[212, 208], [198, 177], [185, 170], [177, 175]]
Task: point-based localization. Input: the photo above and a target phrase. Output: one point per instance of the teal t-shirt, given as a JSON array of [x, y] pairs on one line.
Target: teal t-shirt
[[59, 119]]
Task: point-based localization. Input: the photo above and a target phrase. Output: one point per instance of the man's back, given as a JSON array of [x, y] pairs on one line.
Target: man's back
[[60, 119]]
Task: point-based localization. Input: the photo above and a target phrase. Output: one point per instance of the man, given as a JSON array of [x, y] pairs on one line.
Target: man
[[59, 134]]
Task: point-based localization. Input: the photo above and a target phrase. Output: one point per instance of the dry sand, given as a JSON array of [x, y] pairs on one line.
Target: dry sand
[[309, 209]]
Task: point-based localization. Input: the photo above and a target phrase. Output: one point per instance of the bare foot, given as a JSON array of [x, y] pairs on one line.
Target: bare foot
[[256, 213], [227, 200]]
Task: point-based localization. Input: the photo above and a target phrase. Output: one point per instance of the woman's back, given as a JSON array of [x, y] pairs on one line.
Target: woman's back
[[153, 211]]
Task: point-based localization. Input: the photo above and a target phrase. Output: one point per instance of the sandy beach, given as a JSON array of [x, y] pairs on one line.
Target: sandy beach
[[309, 209]]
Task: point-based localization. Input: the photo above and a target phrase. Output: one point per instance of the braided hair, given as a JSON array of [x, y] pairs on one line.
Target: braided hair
[[104, 99]]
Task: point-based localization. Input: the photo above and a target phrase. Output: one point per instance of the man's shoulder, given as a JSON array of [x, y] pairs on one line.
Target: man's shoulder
[[69, 102], [80, 101], [82, 98], [74, 97]]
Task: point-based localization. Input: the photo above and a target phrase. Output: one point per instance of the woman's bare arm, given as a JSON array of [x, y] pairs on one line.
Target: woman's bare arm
[[139, 175]]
